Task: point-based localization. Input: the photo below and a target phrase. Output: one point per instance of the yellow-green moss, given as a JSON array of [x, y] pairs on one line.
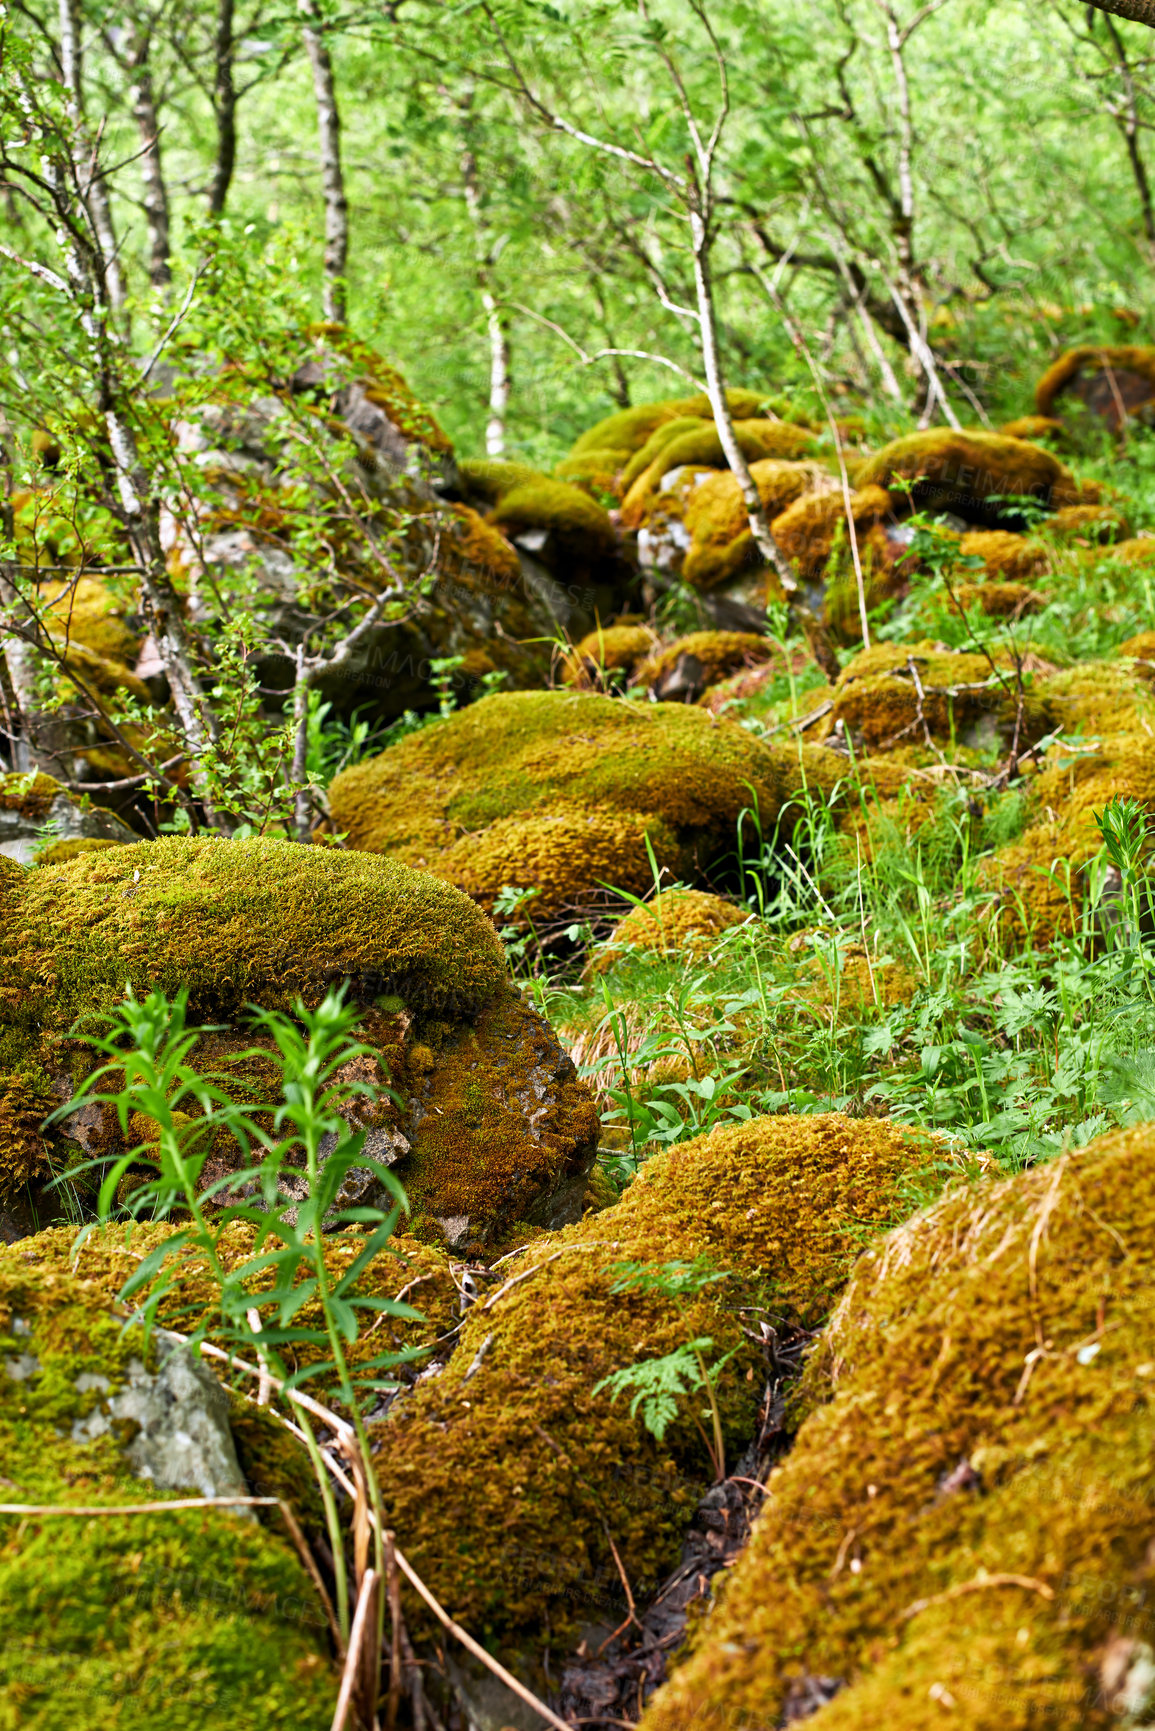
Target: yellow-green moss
[[806, 530], [964, 1527], [722, 545], [1016, 557], [198, 1619], [779, 1203], [716, 653], [876, 697], [998, 600], [1033, 428], [523, 499], [567, 853], [110, 1253], [234, 920], [59, 852], [1072, 362], [971, 467], [673, 923], [697, 446], [612, 648], [511, 757], [628, 429], [87, 612], [1091, 522]]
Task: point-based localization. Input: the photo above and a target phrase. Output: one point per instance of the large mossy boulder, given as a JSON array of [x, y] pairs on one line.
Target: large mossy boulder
[[963, 1529], [1112, 383], [510, 1480], [200, 1619], [974, 475], [490, 1122], [561, 792]]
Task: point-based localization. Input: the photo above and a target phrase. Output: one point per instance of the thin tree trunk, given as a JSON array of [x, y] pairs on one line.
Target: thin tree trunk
[[332, 175], [99, 209], [820, 646], [496, 323], [224, 109], [152, 170], [1129, 126]]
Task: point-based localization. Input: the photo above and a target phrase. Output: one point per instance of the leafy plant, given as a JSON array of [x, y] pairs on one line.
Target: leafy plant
[[659, 1385], [147, 1047]]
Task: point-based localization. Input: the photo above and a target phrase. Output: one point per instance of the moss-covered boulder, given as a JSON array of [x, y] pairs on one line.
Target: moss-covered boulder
[[490, 1121], [962, 1530], [975, 475], [608, 447], [557, 792], [694, 444], [722, 547], [686, 668], [39, 818], [1112, 383], [896, 695], [203, 1619], [676, 922], [609, 653], [509, 1477], [552, 521]]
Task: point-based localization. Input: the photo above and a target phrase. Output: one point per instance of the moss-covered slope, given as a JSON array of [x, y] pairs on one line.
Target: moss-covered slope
[[506, 1472], [964, 1529]]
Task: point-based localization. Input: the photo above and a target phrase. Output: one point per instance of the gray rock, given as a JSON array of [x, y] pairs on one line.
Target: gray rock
[[65, 820], [183, 1441]]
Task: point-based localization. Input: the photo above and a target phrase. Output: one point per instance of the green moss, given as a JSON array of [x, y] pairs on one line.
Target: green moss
[[234, 921], [487, 478], [721, 543], [203, 1618], [1066, 370], [673, 923], [696, 444], [514, 759], [629, 429], [717, 654], [971, 468], [777, 1203], [981, 1408]]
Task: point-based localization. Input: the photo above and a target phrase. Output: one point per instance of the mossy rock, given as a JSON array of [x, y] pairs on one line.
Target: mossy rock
[[34, 809], [971, 474], [202, 1617], [548, 518], [1015, 557], [489, 1120], [442, 798], [87, 612], [1096, 523], [682, 671], [877, 697], [628, 429], [1112, 383], [617, 648], [110, 1253], [722, 546], [807, 530], [677, 922], [1034, 428], [687, 442], [385, 388], [506, 1471], [962, 1528]]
